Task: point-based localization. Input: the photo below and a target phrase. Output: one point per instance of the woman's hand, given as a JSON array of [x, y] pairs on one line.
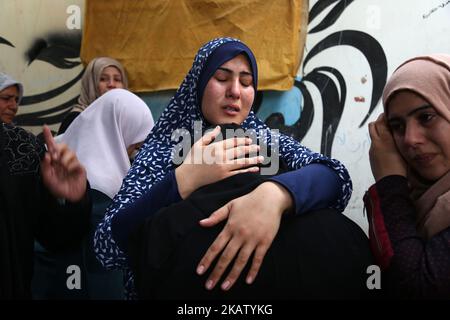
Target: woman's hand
[[61, 171], [208, 162], [253, 222], [385, 160]]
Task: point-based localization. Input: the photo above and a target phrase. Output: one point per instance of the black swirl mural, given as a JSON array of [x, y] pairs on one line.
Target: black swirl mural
[[60, 50], [333, 94], [6, 42]]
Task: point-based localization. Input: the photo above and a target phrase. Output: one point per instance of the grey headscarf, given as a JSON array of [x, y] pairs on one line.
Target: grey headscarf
[[91, 79], [7, 81]]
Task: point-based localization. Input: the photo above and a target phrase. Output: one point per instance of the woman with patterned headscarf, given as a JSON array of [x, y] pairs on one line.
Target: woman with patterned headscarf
[[409, 211], [101, 75], [220, 88]]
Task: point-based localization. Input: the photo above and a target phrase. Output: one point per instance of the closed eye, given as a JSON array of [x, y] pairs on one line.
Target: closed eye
[[396, 126], [246, 81]]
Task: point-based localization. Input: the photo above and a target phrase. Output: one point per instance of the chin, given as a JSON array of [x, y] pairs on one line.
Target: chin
[[432, 174]]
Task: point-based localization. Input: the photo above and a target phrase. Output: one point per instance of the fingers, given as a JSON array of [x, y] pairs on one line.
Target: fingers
[[245, 162], [217, 216], [235, 142], [66, 159], [49, 141], [218, 244], [239, 264], [232, 248], [214, 249], [45, 163], [240, 151], [246, 170], [210, 136], [377, 127], [59, 151], [227, 256], [372, 131], [379, 130], [256, 264], [383, 128], [65, 155]]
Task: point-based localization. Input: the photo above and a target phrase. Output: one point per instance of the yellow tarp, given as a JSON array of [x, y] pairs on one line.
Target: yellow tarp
[[157, 40]]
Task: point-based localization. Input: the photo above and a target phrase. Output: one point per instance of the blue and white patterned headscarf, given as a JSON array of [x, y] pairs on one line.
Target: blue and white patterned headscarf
[[154, 160]]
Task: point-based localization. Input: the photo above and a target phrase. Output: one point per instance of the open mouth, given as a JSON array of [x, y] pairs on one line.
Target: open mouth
[[231, 109]]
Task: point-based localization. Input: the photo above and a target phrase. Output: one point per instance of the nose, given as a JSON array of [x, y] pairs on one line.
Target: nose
[[234, 90], [12, 103], [413, 135], [111, 83]]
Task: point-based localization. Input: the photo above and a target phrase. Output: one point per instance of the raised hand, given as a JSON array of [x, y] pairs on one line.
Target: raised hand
[[253, 222], [208, 162], [384, 157], [61, 171]]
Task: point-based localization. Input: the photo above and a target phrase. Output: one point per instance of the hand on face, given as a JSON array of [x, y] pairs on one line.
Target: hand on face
[[253, 221], [208, 162], [61, 171], [420, 134], [384, 157]]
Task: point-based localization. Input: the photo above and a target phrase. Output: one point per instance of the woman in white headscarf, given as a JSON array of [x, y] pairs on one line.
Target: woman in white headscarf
[[104, 136]]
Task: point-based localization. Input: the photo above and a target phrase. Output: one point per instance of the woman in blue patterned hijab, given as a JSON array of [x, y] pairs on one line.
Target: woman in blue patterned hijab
[[198, 99]]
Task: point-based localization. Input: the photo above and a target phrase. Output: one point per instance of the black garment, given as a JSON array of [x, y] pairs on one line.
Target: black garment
[[28, 212], [97, 283], [319, 255], [68, 119], [418, 269]]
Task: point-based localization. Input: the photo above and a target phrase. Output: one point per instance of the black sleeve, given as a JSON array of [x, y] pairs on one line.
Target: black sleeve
[[67, 121], [61, 224]]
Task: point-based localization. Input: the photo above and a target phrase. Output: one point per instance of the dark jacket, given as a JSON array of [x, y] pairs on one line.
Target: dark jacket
[[28, 212], [412, 267]]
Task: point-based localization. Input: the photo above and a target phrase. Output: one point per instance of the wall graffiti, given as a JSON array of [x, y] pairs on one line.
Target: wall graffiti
[[56, 49], [39, 49], [333, 94], [351, 48]]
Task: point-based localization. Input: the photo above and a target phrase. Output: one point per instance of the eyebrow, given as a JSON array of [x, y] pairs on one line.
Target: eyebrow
[[418, 109], [245, 73]]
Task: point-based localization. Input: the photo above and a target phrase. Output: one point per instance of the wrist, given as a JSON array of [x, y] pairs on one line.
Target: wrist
[[387, 173], [280, 195], [183, 184]]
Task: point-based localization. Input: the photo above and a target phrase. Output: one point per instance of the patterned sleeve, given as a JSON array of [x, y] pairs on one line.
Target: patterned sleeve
[[299, 156], [139, 179]]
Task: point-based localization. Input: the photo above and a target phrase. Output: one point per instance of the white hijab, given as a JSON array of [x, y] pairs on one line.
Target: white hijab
[[101, 134]]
